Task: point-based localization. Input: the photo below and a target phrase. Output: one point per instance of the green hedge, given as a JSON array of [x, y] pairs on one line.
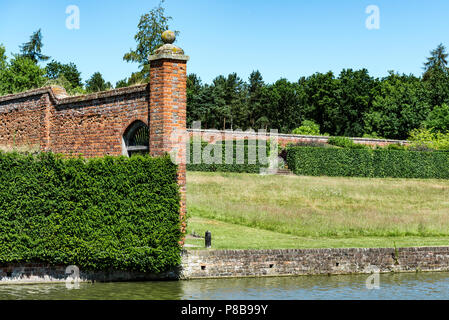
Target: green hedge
[[223, 167], [99, 214], [376, 163]]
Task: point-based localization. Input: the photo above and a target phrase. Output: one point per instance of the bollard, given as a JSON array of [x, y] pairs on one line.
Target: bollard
[[208, 239]]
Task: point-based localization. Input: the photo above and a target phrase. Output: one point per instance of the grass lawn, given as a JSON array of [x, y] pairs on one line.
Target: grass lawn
[[264, 212]]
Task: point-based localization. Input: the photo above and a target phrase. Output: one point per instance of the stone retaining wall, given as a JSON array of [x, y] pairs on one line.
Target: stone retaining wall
[[203, 264], [34, 273], [292, 262]]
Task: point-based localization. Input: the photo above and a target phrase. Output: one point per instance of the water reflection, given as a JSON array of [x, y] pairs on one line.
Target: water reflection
[[392, 286]]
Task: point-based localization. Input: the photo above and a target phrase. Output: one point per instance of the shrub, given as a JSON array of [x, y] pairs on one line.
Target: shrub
[[246, 166], [99, 214], [309, 144], [395, 146], [426, 139], [376, 163], [345, 142], [308, 128]]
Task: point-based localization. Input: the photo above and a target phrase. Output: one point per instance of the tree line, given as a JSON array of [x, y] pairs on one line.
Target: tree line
[[352, 103]]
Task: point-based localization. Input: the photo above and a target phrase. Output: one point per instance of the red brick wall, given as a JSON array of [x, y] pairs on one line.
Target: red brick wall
[[22, 121], [94, 127], [168, 102], [91, 125], [283, 139]]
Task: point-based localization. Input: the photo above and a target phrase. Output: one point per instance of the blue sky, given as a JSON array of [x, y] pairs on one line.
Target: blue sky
[[281, 38]]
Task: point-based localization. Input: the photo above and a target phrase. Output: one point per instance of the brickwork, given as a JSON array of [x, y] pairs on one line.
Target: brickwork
[[283, 139], [91, 125], [168, 102], [94, 125]]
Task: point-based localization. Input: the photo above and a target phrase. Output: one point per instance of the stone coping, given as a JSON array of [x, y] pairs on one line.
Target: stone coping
[[59, 95], [291, 136], [213, 252]]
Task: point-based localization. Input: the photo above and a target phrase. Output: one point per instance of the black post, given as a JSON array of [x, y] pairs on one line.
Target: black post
[[208, 239]]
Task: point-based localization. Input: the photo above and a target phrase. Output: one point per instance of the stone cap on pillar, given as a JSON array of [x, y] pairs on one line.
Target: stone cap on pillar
[[168, 50]]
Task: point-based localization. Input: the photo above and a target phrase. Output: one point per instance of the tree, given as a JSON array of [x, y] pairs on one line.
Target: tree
[[195, 108], [97, 83], [436, 76], [148, 37], [399, 107], [438, 119], [33, 48], [437, 84], [437, 62], [283, 105], [255, 98], [3, 58], [321, 100], [55, 70], [354, 96], [122, 83], [205, 110], [21, 74]]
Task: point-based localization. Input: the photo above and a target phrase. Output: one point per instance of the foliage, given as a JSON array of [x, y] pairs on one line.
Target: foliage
[[3, 58], [99, 214], [221, 163], [438, 119], [345, 142], [309, 128], [33, 48], [399, 107], [436, 62], [96, 83], [425, 139], [377, 163], [20, 74], [351, 104], [281, 101], [354, 98], [121, 83], [395, 146], [56, 70], [148, 38]]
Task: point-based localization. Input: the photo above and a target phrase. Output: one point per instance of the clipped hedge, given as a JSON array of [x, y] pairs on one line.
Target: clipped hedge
[[223, 166], [99, 214], [377, 163]]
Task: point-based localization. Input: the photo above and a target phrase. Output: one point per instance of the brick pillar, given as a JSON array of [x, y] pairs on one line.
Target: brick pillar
[[168, 104], [47, 109]]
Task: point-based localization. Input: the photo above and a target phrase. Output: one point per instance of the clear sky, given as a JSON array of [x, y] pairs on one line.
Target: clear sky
[[281, 38]]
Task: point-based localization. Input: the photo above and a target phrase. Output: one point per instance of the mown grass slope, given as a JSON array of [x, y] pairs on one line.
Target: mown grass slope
[[371, 212]]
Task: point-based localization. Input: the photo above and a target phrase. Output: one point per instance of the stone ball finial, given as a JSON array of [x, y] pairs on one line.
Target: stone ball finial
[[168, 37]]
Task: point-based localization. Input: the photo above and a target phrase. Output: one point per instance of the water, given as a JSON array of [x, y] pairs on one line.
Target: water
[[392, 286]]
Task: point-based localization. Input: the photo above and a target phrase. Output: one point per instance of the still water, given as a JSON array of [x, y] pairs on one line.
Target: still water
[[391, 286]]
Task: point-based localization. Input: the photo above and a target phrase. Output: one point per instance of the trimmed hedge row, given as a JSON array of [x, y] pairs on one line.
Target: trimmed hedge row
[[99, 214], [223, 166], [375, 163]]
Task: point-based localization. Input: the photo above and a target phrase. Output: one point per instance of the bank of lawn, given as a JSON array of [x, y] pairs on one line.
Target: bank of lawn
[[246, 211]]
